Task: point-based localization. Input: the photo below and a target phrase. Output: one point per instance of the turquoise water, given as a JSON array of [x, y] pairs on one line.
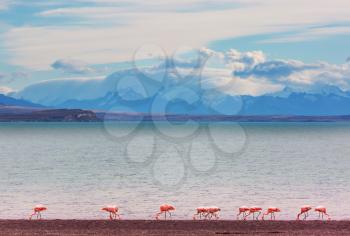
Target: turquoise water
[[76, 168]]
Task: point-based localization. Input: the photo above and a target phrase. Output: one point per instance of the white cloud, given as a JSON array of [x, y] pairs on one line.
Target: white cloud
[[310, 34], [5, 90], [72, 66], [112, 34]]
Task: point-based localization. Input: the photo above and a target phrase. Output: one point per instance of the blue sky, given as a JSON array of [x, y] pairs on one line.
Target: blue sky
[[91, 38]]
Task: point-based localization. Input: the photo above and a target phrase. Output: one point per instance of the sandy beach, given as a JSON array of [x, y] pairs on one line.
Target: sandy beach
[[178, 228]]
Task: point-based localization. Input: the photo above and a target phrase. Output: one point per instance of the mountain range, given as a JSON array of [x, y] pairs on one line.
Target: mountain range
[[10, 101], [290, 104]]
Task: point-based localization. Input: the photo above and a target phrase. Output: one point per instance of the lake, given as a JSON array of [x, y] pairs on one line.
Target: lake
[[77, 168]]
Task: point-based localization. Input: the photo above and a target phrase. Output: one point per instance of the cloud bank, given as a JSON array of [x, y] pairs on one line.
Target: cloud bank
[[209, 73], [72, 66], [109, 31]]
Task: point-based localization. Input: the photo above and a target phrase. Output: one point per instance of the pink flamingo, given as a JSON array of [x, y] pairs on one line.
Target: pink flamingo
[[207, 212], [253, 210], [321, 212], [165, 209], [201, 211], [113, 212], [271, 211], [213, 212], [242, 210], [37, 211], [304, 210]]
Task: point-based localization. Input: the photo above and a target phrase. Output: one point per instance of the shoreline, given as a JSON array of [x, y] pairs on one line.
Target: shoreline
[[172, 227]]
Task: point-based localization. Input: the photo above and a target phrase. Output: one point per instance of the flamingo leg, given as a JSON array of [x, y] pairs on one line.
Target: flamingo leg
[[257, 217], [158, 214], [210, 215], [30, 217], [327, 216], [246, 216]]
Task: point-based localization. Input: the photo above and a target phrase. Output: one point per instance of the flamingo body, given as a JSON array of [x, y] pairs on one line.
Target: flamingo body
[[207, 212], [242, 210], [253, 210], [271, 211], [166, 209], [37, 211], [321, 212], [113, 211], [304, 210]]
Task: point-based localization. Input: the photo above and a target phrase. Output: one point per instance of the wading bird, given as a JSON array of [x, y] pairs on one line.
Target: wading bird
[[253, 210], [271, 211], [113, 212], [166, 210], [201, 212], [37, 211], [207, 213], [321, 212], [213, 212], [304, 210], [242, 210]]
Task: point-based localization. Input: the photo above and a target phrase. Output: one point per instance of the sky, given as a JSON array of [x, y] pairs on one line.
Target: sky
[[90, 39]]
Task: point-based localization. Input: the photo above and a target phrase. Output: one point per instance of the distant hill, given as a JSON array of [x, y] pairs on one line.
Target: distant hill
[[297, 104], [23, 114], [9, 101]]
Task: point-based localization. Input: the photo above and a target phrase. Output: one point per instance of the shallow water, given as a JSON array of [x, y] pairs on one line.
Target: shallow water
[[76, 168]]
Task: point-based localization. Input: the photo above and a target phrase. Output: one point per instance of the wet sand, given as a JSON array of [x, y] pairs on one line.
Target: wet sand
[[178, 228]]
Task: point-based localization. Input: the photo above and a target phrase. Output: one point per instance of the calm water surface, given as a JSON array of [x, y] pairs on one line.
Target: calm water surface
[[75, 169]]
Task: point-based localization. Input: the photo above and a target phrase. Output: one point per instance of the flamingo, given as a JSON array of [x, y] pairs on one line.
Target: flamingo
[[201, 211], [113, 212], [304, 210], [242, 210], [37, 211], [213, 211], [253, 210], [272, 211], [207, 212], [165, 209], [321, 212]]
